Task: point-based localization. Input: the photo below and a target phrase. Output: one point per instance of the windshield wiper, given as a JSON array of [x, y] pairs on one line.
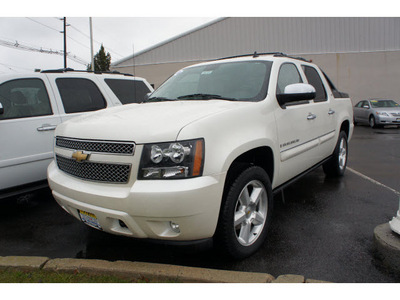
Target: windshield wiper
[[158, 99], [205, 97]]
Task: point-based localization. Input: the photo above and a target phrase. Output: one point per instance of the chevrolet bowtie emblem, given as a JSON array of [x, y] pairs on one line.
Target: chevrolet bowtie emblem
[[80, 156]]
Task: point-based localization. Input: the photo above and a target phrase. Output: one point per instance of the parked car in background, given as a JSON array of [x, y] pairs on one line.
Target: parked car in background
[[377, 112], [31, 107]]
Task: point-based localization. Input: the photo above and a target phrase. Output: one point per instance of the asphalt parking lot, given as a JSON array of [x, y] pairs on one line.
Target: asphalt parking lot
[[323, 230]]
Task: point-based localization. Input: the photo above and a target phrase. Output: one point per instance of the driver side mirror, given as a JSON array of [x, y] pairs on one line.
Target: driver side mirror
[[1, 109], [296, 92]]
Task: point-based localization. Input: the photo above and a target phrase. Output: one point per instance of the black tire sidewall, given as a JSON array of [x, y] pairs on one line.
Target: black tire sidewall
[[225, 236], [332, 168], [374, 122]]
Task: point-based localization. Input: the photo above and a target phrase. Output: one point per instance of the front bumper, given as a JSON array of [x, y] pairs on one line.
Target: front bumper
[[147, 209], [387, 120]]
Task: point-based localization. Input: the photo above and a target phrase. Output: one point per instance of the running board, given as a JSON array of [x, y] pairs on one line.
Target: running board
[[294, 179]]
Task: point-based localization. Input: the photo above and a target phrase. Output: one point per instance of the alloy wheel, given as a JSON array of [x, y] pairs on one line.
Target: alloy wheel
[[250, 213]]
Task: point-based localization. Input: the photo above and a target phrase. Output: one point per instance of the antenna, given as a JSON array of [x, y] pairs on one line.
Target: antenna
[[91, 43]]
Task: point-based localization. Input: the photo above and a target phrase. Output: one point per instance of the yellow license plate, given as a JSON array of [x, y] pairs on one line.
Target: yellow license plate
[[89, 219]]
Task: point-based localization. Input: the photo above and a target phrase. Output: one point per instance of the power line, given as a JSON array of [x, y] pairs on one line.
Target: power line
[[59, 31], [43, 24], [78, 30], [11, 67], [100, 43], [20, 46]]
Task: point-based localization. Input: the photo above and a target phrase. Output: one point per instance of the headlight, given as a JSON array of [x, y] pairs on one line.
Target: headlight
[[183, 159], [382, 113]]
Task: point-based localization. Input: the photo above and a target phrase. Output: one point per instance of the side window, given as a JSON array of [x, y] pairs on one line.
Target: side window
[[23, 98], [128, 91], [315, 80], [80, 95], [288, 74]]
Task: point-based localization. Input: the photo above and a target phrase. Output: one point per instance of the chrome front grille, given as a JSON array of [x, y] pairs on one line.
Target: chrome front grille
[[396, 114], [94, 171], [124, 148]]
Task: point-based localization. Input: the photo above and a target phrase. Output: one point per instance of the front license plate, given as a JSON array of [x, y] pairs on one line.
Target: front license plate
[[89, 219]]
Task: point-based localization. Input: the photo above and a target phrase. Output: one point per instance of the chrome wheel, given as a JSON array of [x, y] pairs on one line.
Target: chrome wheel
[[342, 154], [250, 213]]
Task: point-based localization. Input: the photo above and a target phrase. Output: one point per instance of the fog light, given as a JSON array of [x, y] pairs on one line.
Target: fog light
[[175, 227], [122, 224]]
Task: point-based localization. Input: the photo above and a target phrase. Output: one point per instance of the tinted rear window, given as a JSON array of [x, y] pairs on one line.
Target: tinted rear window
[[80, 95], [128, 91]]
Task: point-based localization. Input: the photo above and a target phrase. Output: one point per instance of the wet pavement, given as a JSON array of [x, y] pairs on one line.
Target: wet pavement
[[323, 230]]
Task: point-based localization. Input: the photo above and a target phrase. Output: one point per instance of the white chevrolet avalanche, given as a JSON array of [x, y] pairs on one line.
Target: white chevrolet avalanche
[[202, 157]]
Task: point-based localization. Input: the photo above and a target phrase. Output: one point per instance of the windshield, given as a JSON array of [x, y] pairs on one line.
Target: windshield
[[234, 81], [383, 103]]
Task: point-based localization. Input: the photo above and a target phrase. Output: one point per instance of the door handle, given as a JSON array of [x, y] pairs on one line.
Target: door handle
[[46, 127], [311, 116], [331, 112]]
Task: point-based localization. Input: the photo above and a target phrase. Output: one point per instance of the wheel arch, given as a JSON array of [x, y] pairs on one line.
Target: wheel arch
[[261, 156]]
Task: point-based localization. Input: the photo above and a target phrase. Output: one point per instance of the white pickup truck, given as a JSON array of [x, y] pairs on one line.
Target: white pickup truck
[[31, 107], [202, 157]]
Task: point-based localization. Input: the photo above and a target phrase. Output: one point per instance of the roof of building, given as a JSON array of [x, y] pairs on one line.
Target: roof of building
[[169, 40]]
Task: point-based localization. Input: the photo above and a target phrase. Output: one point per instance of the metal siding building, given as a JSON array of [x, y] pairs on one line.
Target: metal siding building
[[361, 55]]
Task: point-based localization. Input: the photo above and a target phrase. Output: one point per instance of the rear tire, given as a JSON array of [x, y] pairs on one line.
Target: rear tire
[[336, 165], [245, 214]]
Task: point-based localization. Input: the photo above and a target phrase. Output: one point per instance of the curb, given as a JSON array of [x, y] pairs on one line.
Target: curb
[[140, 270], [387, 247]]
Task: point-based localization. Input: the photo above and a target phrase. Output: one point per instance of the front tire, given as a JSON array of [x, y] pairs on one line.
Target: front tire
[[245, 214], [372, 122], [336, 165]]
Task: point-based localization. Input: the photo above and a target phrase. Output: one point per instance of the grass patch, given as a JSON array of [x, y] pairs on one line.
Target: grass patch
[[40, 276]]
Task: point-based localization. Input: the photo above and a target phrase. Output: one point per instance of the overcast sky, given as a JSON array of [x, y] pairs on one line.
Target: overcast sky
[[119, 35], [127, 26]]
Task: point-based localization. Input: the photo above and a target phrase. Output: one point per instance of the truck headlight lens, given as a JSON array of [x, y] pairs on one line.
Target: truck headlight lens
[[183, 159], [156, 154]]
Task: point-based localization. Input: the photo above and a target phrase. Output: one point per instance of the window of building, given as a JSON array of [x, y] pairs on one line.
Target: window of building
[[23, 98], [80, 95]]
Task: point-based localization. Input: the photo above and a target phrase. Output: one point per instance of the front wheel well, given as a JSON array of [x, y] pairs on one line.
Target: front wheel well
[[261, 156]]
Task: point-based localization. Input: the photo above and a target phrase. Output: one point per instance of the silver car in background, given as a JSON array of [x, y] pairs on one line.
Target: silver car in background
[[377, 112]]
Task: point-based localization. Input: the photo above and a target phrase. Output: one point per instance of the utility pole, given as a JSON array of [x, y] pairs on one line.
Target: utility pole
[[91, 43], [65, 42]]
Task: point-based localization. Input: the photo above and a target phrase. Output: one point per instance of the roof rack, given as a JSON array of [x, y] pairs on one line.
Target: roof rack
[[65, 70], [255, 54]]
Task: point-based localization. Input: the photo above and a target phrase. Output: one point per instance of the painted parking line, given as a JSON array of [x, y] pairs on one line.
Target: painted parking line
[[374, 181]]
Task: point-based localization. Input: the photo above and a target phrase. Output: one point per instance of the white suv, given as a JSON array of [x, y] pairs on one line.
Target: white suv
[[202, 157], [31, 107]]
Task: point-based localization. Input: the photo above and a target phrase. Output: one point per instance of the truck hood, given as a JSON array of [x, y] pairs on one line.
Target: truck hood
[[142, 123]]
